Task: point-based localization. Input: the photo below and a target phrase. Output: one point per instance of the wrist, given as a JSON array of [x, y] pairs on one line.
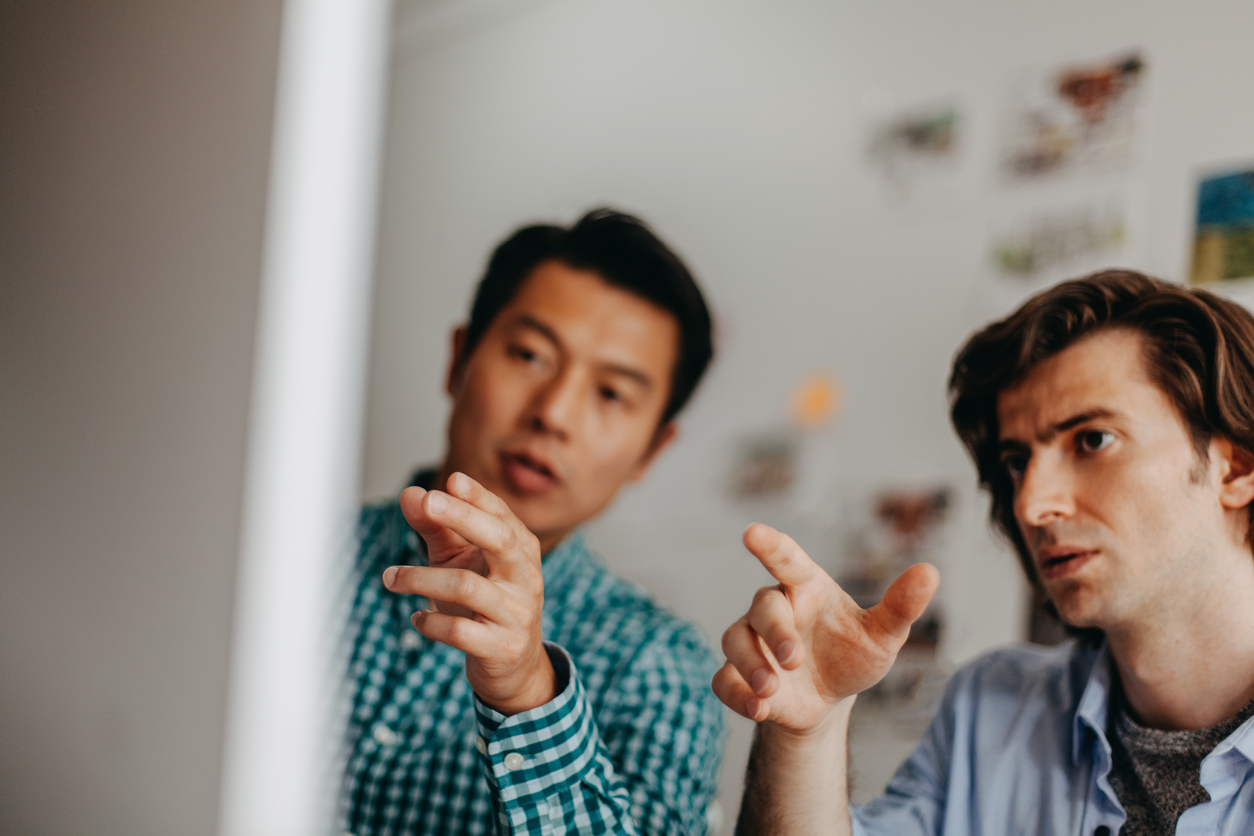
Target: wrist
[[538, 686], [831, 728]]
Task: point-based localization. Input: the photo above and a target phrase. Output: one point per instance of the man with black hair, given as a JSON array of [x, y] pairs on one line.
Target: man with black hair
[[1112, 421], [535, 692]]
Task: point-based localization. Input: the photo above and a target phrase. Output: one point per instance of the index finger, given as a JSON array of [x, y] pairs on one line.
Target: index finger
[[780, 554], [501, 543], [463, 487], [470, 491]]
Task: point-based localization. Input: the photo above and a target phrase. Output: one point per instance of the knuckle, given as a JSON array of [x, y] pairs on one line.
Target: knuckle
[[526, 617], [457, 630], [734, 637], [513, 647], [766, 597], [729, 641], [464, 583], [451, 629], [720, 684], [506, 538]]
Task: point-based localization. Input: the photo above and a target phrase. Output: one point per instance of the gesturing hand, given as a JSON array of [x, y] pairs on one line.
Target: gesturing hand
[[484, 579], [805, 645]]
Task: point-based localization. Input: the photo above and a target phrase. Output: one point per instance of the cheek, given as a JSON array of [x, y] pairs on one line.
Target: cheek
[[1155, 505], [613, 453], [481, 408]]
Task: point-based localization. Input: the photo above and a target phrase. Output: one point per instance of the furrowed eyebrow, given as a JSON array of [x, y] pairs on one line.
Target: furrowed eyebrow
[[632, 374], [542, 328], [1011, 447], [1075, 421], [531, 323], [1054, 430]]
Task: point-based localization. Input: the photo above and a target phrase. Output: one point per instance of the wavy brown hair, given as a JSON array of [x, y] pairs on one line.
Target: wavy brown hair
[[1199, 349]]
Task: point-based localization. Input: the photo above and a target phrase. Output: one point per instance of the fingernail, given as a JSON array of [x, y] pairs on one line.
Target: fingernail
[[754, 707], [437, 503], [460, 484], [749, 526], [416, 618], [760, 680], [785, 651], [389, 575]]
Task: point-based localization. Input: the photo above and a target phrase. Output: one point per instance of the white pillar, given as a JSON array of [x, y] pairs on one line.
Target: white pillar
[[306, 414]]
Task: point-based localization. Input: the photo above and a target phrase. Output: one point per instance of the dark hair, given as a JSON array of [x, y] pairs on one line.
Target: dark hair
[[1199, 350], [625, 253]]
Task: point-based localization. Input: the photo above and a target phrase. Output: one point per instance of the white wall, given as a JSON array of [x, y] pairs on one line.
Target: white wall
[[737, 129], [134, 139]]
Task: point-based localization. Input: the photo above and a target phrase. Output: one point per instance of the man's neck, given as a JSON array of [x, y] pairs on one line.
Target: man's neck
[[1191, 667]]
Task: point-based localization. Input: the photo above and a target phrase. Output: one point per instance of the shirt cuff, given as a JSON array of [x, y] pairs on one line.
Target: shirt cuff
[[529, 755]]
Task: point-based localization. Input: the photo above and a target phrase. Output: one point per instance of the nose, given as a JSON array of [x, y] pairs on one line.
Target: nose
[[556, 404], [1045, 492]]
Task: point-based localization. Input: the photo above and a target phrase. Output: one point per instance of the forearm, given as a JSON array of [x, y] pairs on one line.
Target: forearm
[[799, 784]]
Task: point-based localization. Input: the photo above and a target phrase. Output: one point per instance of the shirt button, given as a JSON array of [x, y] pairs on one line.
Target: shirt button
[[409, 640], [383, 735], [481, 745], [513, 761]]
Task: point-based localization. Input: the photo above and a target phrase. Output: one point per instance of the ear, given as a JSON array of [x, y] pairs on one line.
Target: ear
[[665, 435], [456, 364], [1237, 469]]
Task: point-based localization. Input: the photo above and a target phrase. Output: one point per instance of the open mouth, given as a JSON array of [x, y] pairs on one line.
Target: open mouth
[[1062, 564], [527, 474]]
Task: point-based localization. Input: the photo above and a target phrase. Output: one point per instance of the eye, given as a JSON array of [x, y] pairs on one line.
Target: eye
[[609, 393], [1091, 441], [521, 352], [1016, 464]]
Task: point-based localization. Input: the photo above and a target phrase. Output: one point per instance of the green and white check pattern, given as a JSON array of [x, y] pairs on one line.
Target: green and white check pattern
[[631, 745]]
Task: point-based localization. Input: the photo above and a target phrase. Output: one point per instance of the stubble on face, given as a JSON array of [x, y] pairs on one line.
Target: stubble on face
[[1109, 503]]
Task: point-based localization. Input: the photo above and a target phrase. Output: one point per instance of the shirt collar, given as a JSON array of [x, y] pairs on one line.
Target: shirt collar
[[1241, 739], [1094, 708], [1094, 705]]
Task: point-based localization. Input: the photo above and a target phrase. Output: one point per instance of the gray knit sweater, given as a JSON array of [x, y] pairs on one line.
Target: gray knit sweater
[[1157, 774]]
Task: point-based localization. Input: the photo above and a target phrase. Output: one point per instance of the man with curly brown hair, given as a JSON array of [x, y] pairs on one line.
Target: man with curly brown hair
[[1111, 419]]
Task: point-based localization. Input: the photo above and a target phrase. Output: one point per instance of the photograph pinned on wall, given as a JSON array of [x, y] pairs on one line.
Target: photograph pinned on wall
[[886, 532], [1048, 244], [1223, 243], [918, 152], [1081, 116], [772, 464], [765, 466]]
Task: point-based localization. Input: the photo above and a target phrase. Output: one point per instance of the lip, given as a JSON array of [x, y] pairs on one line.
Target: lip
[[1061, 561], [528, 472]]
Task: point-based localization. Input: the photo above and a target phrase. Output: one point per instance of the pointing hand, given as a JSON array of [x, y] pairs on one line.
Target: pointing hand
[[805, 645]]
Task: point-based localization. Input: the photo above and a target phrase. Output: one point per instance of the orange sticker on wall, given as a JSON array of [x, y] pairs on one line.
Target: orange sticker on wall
[[815, 400]]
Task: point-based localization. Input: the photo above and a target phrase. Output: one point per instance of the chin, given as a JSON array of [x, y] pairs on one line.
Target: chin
[[1081, 615]]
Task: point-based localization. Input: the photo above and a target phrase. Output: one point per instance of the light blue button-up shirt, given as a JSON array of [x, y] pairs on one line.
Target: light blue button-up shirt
[[1019, 747]]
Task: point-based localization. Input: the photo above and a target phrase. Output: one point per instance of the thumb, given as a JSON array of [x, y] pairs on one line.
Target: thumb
[[906, 599]]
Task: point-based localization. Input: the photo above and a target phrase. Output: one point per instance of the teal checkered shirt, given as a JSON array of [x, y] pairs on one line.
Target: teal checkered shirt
[[631, 745]]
